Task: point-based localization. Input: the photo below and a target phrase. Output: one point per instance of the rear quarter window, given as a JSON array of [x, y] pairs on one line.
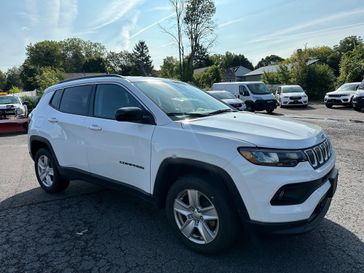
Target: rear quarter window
[[56, 99]]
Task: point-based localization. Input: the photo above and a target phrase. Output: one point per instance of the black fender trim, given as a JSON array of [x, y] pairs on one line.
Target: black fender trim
[[162, 183]]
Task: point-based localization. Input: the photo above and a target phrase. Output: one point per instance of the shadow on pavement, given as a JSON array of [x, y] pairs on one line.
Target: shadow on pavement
[[89, 228]]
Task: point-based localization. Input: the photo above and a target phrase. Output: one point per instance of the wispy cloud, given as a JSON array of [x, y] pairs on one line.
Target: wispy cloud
[[310, 24], [114, 11], [126, 32], [151, 25]]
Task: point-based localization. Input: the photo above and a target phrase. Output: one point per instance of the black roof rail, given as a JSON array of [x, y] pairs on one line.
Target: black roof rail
[[91, 77]]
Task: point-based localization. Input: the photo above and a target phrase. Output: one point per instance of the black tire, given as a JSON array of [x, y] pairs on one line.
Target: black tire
[[249, 107], [58, 183], [328, 105], [227, 223], [269, 111]]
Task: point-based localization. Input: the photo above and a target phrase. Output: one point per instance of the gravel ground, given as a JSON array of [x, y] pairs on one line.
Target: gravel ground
[[93, 229]]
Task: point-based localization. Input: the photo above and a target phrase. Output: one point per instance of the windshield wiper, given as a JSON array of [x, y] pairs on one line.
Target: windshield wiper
[[173, 114], [220, 112]]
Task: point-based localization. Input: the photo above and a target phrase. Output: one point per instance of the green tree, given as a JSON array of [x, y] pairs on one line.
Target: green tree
[[269, 60], [320, 80], [142, 60], [94, 65], [170, 68], [352, 65], [282, 76], [13, 78], [119, 63], [231, 60], [202, 58], [348, 44], [2, 80], [45, 53], [47, 77], [76, 52], [28, 74], [199, 28], [325, 55], [14, 90], [207, 78]]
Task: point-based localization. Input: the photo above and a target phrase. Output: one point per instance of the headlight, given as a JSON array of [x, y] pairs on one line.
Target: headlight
[[19, 111], [269, 157]]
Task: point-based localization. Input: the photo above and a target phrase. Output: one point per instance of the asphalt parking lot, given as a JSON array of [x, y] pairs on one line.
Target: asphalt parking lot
[[93, 229]]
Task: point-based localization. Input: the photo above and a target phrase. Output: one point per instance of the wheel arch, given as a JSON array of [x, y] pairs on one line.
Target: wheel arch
[[38, 142], [172, 168]]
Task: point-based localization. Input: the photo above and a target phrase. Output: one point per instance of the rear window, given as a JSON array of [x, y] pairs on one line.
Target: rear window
[[56, 99], [76, 100]]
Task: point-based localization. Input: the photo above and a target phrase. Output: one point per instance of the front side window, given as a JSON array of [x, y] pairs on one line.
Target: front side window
[[109, 98], [180, 100], [76, 100]]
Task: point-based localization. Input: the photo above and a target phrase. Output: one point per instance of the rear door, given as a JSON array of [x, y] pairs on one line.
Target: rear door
[[67, 125], [118, 150]]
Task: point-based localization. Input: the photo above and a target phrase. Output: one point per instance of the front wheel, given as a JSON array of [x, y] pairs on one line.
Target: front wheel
[[269, 111], [328, 105], [200, 214], [47, 173]]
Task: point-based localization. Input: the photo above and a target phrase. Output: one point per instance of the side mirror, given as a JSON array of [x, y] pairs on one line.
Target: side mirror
[[132, 114], [26, 103]]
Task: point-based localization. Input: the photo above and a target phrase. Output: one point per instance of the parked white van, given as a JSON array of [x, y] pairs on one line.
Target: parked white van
[[255, 95]]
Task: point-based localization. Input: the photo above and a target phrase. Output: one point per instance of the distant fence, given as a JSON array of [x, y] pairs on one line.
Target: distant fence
[[27, 93]]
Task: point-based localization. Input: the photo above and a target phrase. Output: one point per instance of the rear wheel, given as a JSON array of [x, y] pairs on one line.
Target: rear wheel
[[201, 215], [47, 173], [270, 111]]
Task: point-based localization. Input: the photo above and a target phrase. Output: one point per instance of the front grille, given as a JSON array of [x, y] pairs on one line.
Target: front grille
[[320, 154], [295, 98], [335, 96]]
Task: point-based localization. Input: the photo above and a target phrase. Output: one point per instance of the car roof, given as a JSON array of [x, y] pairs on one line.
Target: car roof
[[91, 79], [291, 85]]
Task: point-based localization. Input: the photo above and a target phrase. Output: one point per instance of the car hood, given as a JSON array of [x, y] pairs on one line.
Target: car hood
[[232, 101], [294, 94], [339, 92], [258, 130]]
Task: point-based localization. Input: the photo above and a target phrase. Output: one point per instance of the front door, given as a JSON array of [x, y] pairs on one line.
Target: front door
[[118, 150]]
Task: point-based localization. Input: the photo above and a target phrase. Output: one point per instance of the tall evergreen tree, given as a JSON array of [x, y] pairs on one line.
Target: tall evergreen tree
[[142, 60]]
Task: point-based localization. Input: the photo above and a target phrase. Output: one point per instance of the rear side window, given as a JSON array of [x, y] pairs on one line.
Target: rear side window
[[56, 99], [76, 100], [109, 98]]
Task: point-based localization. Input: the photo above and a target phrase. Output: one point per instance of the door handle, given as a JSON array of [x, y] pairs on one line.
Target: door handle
[[52, 120], [95, 128]]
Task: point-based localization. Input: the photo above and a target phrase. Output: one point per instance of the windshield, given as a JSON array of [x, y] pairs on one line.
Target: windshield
[[292, 89], [180, 100], [9, 100], [258, 88], [348, 87], [222, 95]]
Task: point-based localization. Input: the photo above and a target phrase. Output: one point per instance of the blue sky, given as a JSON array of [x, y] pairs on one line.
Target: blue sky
[[253, 28]]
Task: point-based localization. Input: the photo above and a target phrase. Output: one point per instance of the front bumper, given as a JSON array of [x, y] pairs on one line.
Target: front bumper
[[260, 105], [343, 100], [358, 102], [258, 185], [290, 102], [307, 225]]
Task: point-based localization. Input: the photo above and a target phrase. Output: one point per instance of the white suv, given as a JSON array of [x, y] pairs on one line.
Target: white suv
[[210, 166]]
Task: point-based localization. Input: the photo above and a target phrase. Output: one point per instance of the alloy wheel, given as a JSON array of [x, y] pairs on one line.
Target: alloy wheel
[[45, 171], [196, 216]]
